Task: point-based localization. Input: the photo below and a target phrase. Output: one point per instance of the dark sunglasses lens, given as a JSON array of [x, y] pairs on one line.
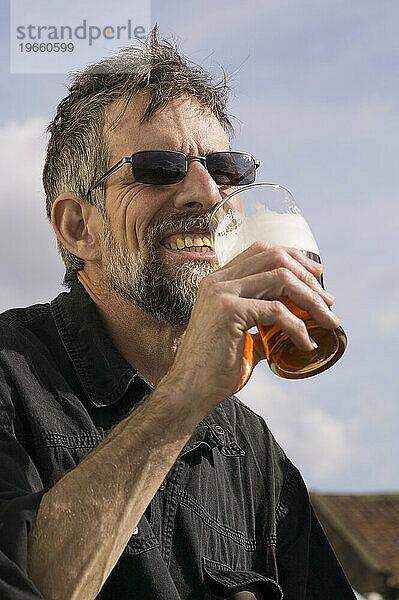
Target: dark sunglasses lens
[[158, 167], [231, 168]]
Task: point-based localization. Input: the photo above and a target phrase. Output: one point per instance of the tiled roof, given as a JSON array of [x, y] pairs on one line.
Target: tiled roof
[[370, 523]]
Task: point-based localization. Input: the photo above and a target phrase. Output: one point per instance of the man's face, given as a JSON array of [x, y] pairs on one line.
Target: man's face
[[141, 220]]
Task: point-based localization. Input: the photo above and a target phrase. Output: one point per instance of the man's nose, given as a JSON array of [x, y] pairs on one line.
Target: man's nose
[[197, 190]]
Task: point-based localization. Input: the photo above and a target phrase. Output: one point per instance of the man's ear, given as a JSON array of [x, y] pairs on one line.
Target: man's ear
[[78, 225]]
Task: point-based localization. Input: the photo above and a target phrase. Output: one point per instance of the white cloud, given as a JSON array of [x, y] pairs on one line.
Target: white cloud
[[387, 321], [326, 443], [22, 148], [322, 445], [30, 268]]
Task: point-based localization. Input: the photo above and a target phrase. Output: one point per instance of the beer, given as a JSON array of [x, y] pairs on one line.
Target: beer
[[287, 360], [233, 233]]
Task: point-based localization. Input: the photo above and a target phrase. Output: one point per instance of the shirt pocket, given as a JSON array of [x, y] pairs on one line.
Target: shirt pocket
[[222, 581]]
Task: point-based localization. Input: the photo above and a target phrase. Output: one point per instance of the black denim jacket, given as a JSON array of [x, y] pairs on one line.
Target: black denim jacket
[[233, 510]]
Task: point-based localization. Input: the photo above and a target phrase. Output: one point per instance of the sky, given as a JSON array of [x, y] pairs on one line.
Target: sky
[[315, 97]]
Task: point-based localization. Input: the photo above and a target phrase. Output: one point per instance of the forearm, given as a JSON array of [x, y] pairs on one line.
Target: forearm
[[85, 521]]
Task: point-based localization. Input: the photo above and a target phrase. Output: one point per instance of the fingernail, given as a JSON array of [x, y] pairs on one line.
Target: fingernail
[[314, 344]]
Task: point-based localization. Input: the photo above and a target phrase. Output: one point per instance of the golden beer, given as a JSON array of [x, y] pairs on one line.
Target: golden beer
[[287, 360]]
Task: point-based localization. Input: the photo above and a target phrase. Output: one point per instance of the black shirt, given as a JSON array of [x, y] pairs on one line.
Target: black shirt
[[233, 510]]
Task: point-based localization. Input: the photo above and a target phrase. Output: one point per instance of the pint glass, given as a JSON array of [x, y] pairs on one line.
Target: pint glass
[[268, 212]]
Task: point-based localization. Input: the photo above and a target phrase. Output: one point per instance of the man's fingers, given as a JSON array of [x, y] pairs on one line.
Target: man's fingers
[[312, 266], [252, 262], [270, 249], [276, 313], [283, 283]]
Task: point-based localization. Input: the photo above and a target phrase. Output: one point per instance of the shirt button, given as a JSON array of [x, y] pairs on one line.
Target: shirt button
[[219, 430], [135, 532], [163, 485]]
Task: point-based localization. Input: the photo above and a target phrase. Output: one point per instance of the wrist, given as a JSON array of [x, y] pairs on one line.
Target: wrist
[[184, 400]]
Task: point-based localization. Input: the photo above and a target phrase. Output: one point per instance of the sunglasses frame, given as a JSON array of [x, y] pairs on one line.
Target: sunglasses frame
[[129, 159]]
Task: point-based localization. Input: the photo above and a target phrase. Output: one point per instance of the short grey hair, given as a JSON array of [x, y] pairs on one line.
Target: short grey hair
[[77, 152]]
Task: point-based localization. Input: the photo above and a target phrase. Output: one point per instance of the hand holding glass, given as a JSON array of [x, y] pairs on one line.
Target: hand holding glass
[[268, 212]]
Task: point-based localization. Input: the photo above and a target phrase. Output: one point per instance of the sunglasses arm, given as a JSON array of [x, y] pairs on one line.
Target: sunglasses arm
[[119, 164]]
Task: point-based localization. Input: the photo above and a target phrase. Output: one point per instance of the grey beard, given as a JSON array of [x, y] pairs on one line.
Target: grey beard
[[151, 280]]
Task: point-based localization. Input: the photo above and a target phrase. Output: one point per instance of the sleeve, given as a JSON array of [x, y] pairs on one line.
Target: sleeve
[[21, 491], [307, 566]]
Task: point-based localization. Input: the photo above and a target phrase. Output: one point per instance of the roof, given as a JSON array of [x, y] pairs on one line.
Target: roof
[[369, 523]]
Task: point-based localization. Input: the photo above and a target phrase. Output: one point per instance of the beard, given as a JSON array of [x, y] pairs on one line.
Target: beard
[[152, 280]]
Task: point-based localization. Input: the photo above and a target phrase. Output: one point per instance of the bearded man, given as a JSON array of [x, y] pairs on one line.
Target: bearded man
[[128, 468]]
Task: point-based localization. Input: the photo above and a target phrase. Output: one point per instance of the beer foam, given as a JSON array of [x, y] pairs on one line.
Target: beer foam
[[237, 232]]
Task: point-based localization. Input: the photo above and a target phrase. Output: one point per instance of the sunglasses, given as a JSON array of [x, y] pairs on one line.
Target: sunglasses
[[165, 167]]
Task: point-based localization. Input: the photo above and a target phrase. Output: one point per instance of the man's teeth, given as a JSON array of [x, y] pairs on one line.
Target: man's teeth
[[193, 244]]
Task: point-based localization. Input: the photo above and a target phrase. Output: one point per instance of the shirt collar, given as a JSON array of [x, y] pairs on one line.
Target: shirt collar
[[103, 372]]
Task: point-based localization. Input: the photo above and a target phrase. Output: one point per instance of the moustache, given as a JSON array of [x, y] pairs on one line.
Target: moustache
[[175, 222]]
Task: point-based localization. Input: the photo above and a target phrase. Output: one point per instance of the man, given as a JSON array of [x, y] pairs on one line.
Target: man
[[128, 469]]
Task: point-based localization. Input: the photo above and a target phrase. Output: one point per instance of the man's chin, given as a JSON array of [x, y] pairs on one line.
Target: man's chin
[[156, 282], [168, 297]]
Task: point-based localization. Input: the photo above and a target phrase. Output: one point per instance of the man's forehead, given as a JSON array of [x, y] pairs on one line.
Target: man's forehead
[[180, 125]]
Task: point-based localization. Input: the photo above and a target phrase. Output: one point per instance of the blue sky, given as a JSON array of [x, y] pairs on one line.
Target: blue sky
[[315, 96]]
